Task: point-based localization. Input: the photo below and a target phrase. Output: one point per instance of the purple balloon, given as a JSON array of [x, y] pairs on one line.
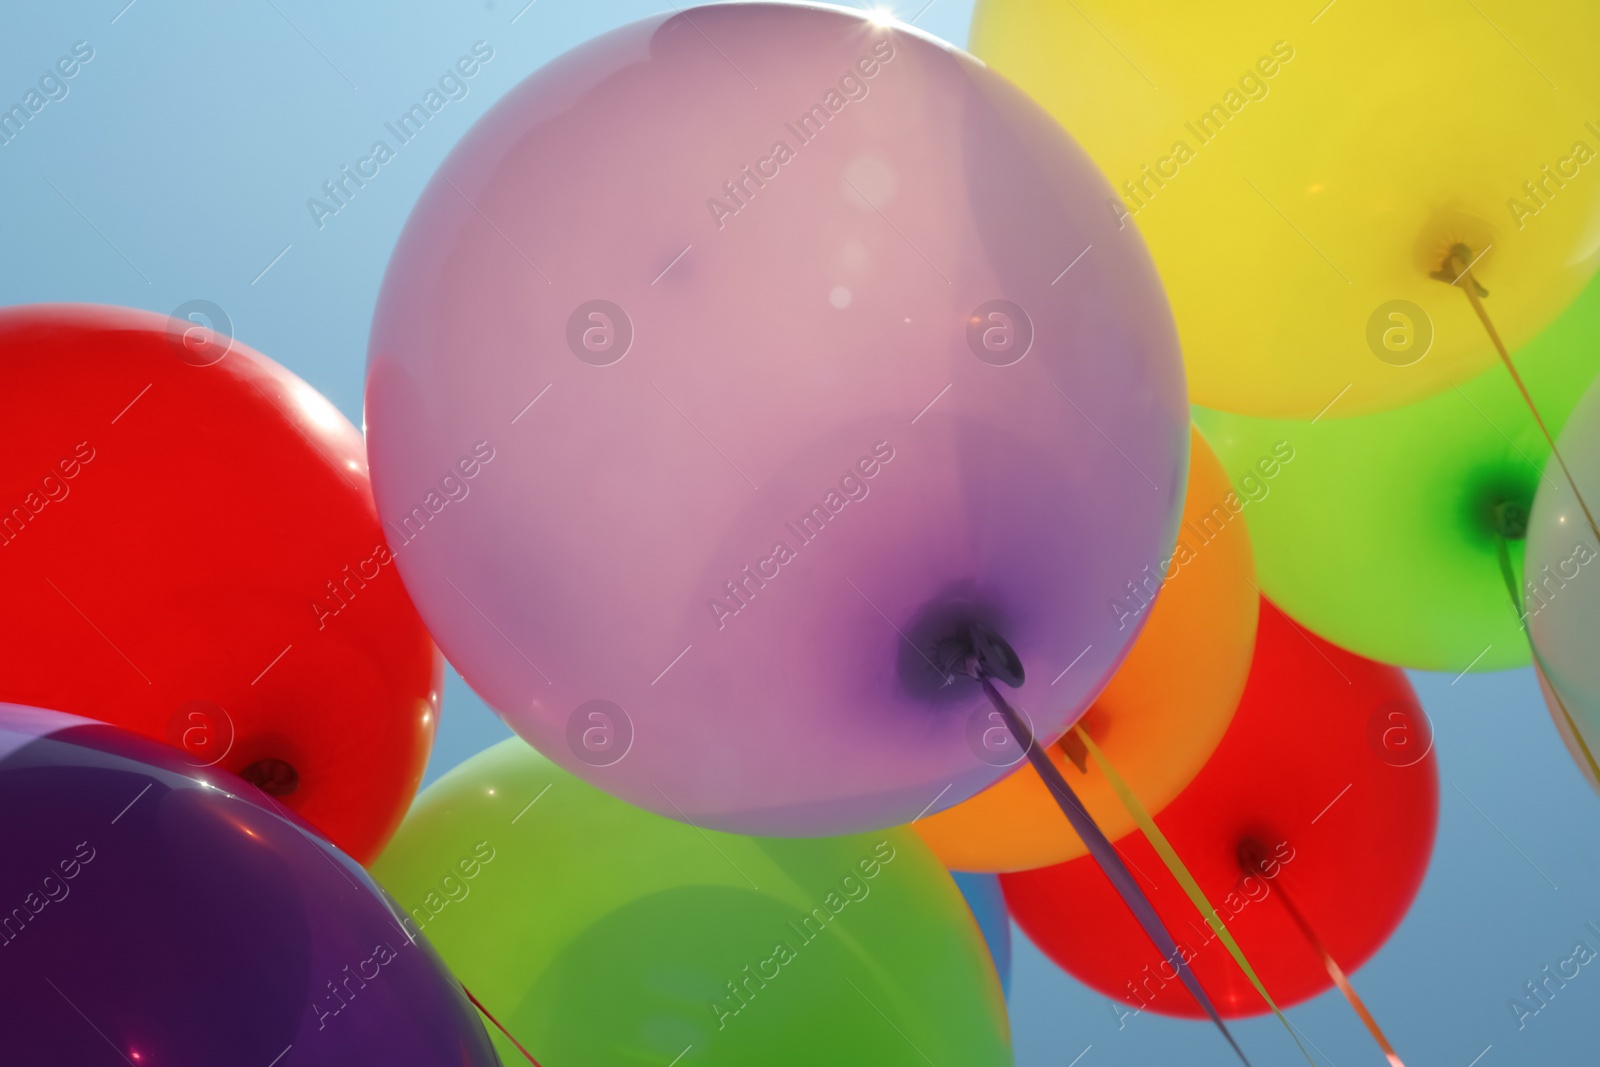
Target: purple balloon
[[150, 913], [733, 363]]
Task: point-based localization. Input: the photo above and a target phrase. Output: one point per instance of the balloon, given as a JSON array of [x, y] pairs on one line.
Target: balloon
[[1561, 583], [988, 904], [192, 531], [744, 465], [1297, 211], [1164, 711], [158, 910], [1384, 534], [600, 933], [1565, 728], [1329, 769]]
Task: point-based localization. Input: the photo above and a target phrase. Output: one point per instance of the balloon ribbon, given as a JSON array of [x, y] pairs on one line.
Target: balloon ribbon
[[1475, 293], [1105, 854], [1169, 856], [1464, 280], [490, 1016], [1337, 974]]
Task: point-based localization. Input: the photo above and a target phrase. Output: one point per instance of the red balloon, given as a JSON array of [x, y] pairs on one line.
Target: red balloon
[[189, 549], [1328, 769]]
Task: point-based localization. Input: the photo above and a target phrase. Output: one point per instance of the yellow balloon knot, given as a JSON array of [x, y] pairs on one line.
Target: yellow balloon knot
[[1457, 265]]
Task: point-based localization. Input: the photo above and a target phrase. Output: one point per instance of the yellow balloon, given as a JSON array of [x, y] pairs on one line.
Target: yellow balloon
[[1300, 173]]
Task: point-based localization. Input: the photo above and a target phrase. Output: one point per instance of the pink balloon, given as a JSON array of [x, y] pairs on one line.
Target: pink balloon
[[731, 362]]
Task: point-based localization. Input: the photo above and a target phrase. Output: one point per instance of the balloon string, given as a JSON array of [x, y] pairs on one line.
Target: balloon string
[[1105, 854], [1464, 280], [1339, 979], [1509, 574], [487, 1014], [1175, 866], [1475, 293]]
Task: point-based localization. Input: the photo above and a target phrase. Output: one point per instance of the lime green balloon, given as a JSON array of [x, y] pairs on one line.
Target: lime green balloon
[[599, 933], [1383, 532]]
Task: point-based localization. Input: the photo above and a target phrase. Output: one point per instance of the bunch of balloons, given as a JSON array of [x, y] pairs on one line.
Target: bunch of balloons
[[814, 488], [1386, 298], [245, 701]]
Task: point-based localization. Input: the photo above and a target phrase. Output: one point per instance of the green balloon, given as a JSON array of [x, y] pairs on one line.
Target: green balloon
[[599, 933], [1383, 533]]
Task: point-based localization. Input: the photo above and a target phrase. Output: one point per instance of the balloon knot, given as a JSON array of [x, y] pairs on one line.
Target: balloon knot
[[978, 652], [274, 777], [1252, 855], [1457, 266], [1074, 749], [1511, 520]]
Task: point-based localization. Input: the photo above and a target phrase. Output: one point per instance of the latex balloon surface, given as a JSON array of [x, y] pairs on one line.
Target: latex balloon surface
[[1164, 711], [598, 933], [1329, 769], [713, 418], [1386, 533], [192, 531], [1301, 175], [1561, 585], [170, 914], [1569, 732]]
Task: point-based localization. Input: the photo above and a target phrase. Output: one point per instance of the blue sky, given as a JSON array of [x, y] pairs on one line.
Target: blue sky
[[177, 167]]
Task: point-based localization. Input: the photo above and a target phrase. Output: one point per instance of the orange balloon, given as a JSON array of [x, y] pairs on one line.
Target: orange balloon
[[1166, 708]]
